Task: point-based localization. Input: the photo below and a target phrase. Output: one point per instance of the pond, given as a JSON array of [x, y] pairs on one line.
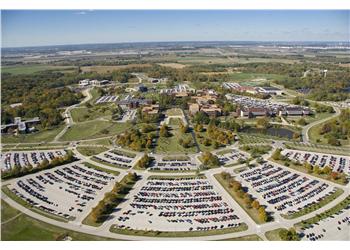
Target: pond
[[279, 132]]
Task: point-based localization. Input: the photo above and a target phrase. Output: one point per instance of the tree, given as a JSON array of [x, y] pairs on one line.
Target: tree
[[164, 131], [289, 235], [183, 128], [277, 154], [262, 214], [302, 122], [144, 162], [209, 159], [256, 204], [263, 123]]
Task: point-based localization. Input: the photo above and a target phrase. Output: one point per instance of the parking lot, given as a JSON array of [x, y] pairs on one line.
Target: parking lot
[[284, 191], [26, 158], [129, 115], [337, 163], [106, 99], [117, 158], [68, 191], [163, 164], [176, 204], [336, 227], [232, 157]]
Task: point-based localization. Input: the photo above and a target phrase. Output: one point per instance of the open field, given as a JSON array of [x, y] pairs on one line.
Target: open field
[[93, 129], [25, 228], [251, 76], [171, 145], [30, 69], [252, 237], [89, 151], [108, 69], [40, 136], [150, 233], [273, 235], [87, 114], [315, 137], [104, 142], [173, 65]]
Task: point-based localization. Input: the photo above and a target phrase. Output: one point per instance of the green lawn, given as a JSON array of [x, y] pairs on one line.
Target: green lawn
[[40, 136], [316, 137], [171, 145], [30, 69], [240, 228], [83, 114], [104, 142], [200, 137], [273, 235], [25, 228], [252, 237], [251, 76], [89, 151], [93, 129]]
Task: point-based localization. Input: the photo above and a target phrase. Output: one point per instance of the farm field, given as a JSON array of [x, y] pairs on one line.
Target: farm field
[[30, 69], [108, 69]]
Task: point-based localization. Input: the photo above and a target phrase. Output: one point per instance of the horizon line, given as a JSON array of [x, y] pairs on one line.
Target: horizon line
[[184, 41]]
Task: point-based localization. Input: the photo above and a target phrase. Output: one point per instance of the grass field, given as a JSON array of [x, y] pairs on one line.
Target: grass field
[[240, 228], [83, 114], [315, 136], [93, 129], [108, 69], [104, 142], [40, 136], [273, 235], [200, 137], [252, 76], [25, 228], [30, 69], [89, 151], [171, 145], [173, 65], [252, 237]]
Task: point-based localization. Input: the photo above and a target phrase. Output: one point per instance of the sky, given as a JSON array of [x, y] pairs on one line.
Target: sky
[[57, 27]]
